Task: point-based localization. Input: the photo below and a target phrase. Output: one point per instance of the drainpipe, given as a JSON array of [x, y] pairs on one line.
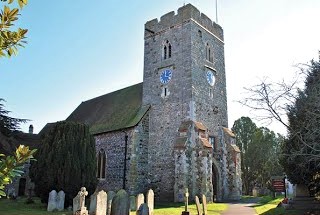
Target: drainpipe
[[125, 159]]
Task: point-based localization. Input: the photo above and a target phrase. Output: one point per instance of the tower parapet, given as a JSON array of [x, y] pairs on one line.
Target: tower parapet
[[185, 14]]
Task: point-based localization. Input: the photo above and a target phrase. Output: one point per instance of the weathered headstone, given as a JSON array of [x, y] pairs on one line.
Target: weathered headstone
[[76, 204], [93, 203], [133, 205], [143, 209], [150, 201], [60, 200], [83, 193], [139, 200], [198, 205], [111, 195], [120, 203], [101, 203], [204, 205], [52, 201]]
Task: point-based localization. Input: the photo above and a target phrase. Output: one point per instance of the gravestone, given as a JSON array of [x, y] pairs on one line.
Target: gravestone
[[198, 205], [120, 203], [150, 201], [101, 203], [83, 193], [93, 203], [204, 205], [133, 205], [52, 201], [76, 204], [110, 196], [60, 200], [139, 200], [143, 210]]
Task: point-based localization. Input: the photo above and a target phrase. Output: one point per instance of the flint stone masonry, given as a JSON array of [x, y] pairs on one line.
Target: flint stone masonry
[[168, 148]]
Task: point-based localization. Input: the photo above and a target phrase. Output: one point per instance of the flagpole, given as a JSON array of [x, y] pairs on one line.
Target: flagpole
[[217, 11]]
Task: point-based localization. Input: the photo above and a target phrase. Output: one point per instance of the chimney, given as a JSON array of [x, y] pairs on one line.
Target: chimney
[[31, 129]]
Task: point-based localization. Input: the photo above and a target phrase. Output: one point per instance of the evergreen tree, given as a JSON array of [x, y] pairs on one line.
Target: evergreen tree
[[301, 151], [259, 153], [66, 161]]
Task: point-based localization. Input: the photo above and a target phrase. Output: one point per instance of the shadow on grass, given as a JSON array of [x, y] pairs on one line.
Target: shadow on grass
[[161, 205]]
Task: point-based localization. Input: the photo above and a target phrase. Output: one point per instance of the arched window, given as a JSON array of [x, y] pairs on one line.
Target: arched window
[[209, 53], [167, 50], [101, 164]]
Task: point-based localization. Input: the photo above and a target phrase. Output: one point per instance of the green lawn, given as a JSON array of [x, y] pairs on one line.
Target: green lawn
[[268, 206], [18, 207]]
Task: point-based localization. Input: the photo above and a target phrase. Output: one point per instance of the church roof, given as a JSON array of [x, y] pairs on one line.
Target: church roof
[[113, 111]]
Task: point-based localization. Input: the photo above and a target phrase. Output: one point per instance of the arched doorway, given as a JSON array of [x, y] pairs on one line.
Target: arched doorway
[[22, 186]]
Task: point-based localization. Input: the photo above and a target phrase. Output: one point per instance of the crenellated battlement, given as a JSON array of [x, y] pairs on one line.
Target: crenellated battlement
[[185, 13]]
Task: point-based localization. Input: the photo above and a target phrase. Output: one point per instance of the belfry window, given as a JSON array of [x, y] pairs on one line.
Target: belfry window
[[209, 53], [101, 164], [167, 50]]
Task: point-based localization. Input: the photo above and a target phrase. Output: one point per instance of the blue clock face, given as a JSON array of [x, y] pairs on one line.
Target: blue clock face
[[211, 78], [165, 76]]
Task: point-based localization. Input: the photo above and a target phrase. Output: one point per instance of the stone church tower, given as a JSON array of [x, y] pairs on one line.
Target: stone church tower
[[170, 132], [184, 82]]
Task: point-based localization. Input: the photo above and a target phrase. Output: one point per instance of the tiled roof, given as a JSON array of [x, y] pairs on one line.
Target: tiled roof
[[228, 132], [235, 147], [185, 125], [114, 111], [205, 143]]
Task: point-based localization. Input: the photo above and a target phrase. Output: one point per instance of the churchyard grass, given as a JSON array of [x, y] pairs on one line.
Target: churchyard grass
[[18, 207], [268, 206]]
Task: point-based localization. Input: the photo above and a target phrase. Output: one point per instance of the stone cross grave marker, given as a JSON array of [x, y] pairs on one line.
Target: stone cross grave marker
[[83, 193], [150, 201], [76, 204], [139, 200], [120, 203], [198, 205], [52, 201], [101, 203], [110, 196], [60, 200], [204, 205]]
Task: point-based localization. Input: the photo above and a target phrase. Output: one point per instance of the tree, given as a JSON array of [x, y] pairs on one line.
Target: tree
[[259, 153], [12, 166], [11, 39], [302, 148], [275, 101], [66, 161], [8, 124]]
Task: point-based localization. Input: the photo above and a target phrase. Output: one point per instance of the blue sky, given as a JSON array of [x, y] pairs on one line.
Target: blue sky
[[79, 50]]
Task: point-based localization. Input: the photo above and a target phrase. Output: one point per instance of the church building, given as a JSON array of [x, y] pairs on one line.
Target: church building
[[169, 132]]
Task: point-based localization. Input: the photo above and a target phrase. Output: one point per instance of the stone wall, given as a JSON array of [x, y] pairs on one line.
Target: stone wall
[[188, 97], [113, 143]]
